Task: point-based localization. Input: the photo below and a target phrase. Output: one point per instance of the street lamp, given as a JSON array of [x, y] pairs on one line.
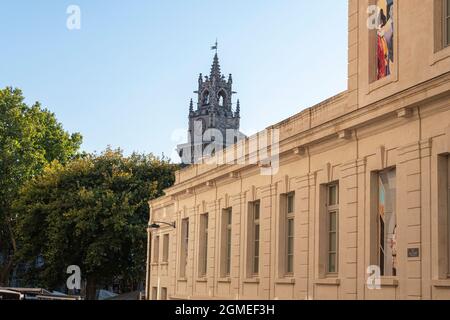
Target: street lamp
[[157, 224], [153, 226]]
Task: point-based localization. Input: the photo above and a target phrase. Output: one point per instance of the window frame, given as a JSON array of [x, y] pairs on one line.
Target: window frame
[[184, 247], [290, 219], [447, 168], [203, 252], [166, 241], [155, 259], [163, 293], [254, 242], [381, 229], [227, 221], [442, 198], [332, 208]]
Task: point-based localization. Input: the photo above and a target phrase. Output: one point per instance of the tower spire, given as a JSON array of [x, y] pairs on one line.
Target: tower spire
[[215, 68], [191, 106]]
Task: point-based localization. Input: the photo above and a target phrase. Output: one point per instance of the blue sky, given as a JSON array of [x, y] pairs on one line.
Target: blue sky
[[126, 77]]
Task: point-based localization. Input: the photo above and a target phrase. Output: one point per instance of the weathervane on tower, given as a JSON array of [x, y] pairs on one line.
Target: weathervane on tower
[[215, 46]]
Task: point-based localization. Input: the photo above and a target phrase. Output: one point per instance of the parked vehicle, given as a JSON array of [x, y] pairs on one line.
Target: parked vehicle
[[11, 295], [33, 294]]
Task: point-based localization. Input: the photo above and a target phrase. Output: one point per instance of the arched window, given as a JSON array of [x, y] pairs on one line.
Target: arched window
[[222, 97], [205, 99]]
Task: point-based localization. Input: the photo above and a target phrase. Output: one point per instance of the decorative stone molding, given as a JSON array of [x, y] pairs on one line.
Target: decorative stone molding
[[327, 171], [233, 175], [300, 151], [203, 207], [252, 194], [265, 164], [381, 157], [405, 113], [210, 183], [345, 134], [227, 201]]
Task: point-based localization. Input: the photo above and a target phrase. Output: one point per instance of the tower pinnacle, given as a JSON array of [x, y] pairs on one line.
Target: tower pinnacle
[[215, 68], [191, 107]]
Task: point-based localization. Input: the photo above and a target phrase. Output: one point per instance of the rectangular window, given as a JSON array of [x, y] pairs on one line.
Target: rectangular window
[[156, 250], [253, 238], [384, 45], [203, 243], [442, 258], [163, 293], [290, 215], [165, 257], [447, 169], [446, 23], [447, 195], [226, 242], [387, 222], [184, 247], [332, 227], [154, 293]]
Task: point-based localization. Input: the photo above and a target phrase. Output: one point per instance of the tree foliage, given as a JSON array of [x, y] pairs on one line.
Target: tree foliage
[[30, 138], [91, 212]]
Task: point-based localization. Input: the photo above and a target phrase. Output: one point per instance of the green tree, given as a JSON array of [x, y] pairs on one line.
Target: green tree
[[30, 138], [93, 213]]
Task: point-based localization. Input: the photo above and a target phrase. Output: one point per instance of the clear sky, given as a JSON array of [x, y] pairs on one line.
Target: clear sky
[[126, 77]]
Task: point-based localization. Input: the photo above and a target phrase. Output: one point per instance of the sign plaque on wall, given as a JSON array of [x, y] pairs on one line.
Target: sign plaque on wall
[[413, 253]]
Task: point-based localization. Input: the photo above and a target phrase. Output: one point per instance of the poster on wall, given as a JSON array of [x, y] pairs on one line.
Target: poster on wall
[[385, 38], [387, 222]]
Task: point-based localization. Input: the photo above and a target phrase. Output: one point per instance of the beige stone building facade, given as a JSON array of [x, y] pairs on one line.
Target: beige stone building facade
[[357, 202]]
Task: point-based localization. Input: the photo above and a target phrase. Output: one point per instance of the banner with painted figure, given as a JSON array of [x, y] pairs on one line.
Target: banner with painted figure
[[387, 222], [385, 38]]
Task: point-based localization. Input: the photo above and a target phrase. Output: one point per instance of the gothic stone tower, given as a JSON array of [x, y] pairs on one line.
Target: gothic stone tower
[[214, 124]]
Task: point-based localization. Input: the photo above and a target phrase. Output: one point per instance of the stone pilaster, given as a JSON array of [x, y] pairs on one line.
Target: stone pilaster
[[268, 203], [173, 253], [425, 155], [237, 242], [190, 268], [302, 239], [410, 217], [348, 229], [312, 181], [360, 253], [213, 254]]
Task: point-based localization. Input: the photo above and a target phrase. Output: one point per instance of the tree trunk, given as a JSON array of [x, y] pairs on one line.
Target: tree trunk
[[8, 256], [91, 288], [5, 272]]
